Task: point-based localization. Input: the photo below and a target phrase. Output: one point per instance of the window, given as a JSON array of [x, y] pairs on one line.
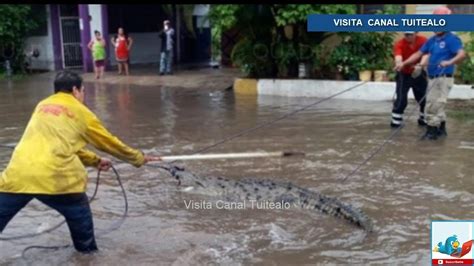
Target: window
[[462, 9]]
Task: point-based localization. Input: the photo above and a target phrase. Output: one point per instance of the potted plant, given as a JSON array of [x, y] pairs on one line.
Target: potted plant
[[370, 51], [342, 59], [354, 53], [381, 70], [364, 68], [382, 54]]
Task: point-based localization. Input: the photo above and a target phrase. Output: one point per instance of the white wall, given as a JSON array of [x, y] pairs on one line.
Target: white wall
[[145, 49], [45, 46], [95, 11], [146, 46], [373, 91]]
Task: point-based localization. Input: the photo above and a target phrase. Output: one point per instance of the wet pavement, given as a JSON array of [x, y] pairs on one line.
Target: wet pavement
[[202, 78], [403, 188]]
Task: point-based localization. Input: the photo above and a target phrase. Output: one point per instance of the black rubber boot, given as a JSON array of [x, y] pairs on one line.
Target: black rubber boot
[[442, 130], [393, 125], [431, 133], [421, 122]]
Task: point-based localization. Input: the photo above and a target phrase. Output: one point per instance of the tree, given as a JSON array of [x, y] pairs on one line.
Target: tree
[[294, 17], [15, 24], [222, 18], [266, 49]]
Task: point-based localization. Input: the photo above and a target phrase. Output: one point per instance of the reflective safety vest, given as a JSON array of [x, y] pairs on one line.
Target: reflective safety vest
[[51, 155]]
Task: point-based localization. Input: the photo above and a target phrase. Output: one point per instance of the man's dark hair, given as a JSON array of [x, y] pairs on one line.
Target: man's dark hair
[[66, 80], [96, 31]]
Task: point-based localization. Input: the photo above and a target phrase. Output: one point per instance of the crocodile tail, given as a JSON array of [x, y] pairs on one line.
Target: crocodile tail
[[352, 214], [336, 208]]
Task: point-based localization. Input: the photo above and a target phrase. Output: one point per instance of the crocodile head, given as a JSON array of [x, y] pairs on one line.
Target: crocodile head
[[186, 178]]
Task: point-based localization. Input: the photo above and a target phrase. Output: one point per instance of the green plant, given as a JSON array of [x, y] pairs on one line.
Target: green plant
[[265, 24], [15, 23], [285, 54], [298, 13], [390, 10], [222, 18], [372, 49], [295, 17], [320, 60], [245, 55], [344, 60], [383, 43], [465, 71], [360, 51]]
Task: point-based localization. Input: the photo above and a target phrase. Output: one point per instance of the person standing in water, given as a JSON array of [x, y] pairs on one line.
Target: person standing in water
[[411, 76], [97, 46], [122, 44], [167, 44], [445, 50], [48, 164]]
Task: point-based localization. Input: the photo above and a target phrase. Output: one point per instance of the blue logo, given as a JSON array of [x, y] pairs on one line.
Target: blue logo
[[452, 242], [367, 23]]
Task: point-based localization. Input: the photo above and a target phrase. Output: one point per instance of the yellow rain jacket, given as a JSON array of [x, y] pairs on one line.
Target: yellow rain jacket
[[50, 157]]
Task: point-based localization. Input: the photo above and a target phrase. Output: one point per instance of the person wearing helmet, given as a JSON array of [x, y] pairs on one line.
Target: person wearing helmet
[[445, 50]]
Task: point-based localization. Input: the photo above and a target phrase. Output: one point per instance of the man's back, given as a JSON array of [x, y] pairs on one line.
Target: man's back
[[45, 159], [50, 157]]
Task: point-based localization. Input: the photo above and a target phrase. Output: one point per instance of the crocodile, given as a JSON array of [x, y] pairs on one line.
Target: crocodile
[[251, 189]]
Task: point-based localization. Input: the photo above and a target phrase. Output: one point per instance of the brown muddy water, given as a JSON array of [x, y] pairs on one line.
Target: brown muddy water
[[402, 189]]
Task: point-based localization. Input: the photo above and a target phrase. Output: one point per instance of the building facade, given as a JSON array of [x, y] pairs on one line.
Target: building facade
[[62, 43]]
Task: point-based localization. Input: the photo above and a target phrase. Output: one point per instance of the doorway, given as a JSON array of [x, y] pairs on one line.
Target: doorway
[[70, 36]]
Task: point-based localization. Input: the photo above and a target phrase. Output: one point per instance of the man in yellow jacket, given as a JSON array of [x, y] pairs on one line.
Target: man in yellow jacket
[[48, 162]]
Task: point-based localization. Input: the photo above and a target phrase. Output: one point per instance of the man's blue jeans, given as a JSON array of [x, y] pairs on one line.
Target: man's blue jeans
[[74, 207], [166, 61]]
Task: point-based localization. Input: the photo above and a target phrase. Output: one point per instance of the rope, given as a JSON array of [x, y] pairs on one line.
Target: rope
[[55, 226], [91, 199], [110, 229], [390, 137], [268, 123], [265, 124], [172, 168], [399, 89]]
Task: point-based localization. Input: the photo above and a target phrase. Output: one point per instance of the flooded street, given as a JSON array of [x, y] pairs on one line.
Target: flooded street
[[408, 184]]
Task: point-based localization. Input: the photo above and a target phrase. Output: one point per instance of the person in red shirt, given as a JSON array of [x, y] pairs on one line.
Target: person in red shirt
[[411, 76], [122, 44]]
